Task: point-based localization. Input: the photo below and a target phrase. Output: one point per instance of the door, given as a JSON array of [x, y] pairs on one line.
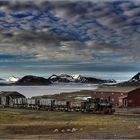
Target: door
[[125, 104]]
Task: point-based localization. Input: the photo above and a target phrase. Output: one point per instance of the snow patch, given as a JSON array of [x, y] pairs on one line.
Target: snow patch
[[12, 79]]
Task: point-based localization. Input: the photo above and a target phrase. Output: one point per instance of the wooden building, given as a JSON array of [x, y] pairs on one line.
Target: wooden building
[[131, 99], [119, 96], [6, 97]]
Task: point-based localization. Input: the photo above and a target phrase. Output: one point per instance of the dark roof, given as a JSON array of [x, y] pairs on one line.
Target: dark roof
[[124, 89], [11, 93], [135, 90]]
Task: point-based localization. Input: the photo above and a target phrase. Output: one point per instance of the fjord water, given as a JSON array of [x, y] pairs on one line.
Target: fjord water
[[30, 91]]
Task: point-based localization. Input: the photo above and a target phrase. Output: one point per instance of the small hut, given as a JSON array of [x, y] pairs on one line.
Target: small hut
[[6, 97]]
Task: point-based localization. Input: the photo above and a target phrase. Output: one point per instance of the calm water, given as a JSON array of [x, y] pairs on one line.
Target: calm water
[[30, 91]]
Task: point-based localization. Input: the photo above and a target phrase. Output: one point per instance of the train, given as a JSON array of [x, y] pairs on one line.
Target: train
[[92, 105]]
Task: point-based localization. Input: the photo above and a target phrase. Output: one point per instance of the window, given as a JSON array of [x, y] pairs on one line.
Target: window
[[112, 99]]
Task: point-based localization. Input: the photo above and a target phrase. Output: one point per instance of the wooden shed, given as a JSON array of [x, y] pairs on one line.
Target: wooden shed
[[6, 97]]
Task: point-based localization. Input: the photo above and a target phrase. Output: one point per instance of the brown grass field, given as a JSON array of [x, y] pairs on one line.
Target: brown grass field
[[34, 124]]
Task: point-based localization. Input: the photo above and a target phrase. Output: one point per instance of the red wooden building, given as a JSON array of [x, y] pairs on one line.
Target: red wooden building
[[131, 99], [120, 96]]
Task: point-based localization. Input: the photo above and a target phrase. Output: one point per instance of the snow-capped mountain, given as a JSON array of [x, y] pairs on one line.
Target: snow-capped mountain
[[61, 78], [134, 81], [136, 78], [12, 79], [77, 79], [76, 76]]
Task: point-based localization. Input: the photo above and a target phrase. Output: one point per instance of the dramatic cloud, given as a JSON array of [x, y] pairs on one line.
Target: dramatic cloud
[[93, 31]]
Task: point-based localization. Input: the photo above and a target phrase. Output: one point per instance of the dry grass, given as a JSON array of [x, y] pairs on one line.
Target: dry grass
[[21, 123]]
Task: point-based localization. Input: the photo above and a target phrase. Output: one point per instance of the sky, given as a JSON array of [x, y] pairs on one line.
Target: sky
[[89, 37]]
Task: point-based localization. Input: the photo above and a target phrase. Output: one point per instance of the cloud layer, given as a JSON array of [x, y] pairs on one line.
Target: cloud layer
[[95, 31]]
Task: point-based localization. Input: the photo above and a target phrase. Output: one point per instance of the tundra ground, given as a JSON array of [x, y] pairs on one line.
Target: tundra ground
[[34, 124]]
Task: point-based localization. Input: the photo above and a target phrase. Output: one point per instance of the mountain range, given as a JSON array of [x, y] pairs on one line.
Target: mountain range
[[62, 78], [65, 78]]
